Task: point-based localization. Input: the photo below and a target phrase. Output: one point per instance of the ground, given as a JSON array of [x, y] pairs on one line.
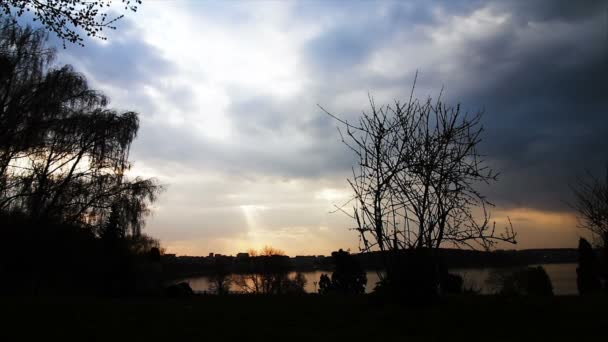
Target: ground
[[311, 317]]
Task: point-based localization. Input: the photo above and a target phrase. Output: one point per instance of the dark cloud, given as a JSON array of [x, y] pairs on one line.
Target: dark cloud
[[125, 58], [552, 10], [343, 47], [541, 80], [546, 116]]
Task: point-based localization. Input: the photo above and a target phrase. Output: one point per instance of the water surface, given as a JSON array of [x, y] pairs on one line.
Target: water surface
[[563, 278]]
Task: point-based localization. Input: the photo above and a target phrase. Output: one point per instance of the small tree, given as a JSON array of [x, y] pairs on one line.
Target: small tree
[[295, 285], [591, 205], [325, 286], [267, 272], [348, 276], [220, 279], [587, 276]]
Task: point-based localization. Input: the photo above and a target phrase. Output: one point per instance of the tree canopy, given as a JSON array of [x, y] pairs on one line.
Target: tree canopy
[[63, 152]]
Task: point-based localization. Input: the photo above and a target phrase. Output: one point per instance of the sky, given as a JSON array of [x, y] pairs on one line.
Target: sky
[[228, 95]]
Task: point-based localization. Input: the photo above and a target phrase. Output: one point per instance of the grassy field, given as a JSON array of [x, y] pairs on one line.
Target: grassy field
[[211, 318]]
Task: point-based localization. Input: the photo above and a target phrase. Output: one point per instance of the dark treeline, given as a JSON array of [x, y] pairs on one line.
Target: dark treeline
[[71, 216], [185, 266]]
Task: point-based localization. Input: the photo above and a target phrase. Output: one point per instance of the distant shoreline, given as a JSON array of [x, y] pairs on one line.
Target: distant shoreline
[[176, 267]]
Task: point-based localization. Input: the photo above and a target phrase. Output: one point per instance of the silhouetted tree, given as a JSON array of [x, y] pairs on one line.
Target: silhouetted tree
[[63, 171], [348, 276], [591, 205], [267, 274], [295, 285], [414, 182], [63, 155], [539, 283], [143, 244], [66, 18], [325, 286], [298, 283], [220, 278], [587, 277]]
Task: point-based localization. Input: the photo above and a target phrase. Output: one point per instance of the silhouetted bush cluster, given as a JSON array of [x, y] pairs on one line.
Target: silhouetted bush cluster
[[46, 257], [527, 281], [267, 272], [588, 274], [417, 276], [347, 278]]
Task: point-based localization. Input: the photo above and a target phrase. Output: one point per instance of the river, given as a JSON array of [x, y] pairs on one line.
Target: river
[[563, 278]]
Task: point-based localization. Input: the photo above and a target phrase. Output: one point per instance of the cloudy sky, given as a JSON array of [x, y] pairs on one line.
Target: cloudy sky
[[227, 94]]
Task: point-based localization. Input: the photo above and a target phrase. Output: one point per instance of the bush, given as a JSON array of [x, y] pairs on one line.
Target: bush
[[347, 278], [47, 257], [528, 281], [587, 275]]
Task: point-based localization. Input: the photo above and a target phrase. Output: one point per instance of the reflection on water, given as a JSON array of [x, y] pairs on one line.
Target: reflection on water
[[563, 278]]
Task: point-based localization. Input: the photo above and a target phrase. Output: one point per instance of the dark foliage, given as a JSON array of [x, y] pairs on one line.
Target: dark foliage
[[348, 276], [451, 283], [46, 257], [591, 205], [538, 282], [63, 154], [70, 215], [587, 275], [412, 275], [267, 274], [182, 289], [532, 281], [325, 286], [69, 19], [221, 278]]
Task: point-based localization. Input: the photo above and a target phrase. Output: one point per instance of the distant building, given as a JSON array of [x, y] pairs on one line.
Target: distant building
[[211, 255]]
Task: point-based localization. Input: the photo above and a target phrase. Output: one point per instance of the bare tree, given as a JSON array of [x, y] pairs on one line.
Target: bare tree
[[414, 186], [67, 17], [591, 205], [221, 278], [267, 273]]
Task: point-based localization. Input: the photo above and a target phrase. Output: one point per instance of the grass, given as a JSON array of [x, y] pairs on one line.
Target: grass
[[212, 318]]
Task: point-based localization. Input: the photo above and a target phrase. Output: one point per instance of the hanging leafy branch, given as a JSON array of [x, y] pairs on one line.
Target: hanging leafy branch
[[64, 156]]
